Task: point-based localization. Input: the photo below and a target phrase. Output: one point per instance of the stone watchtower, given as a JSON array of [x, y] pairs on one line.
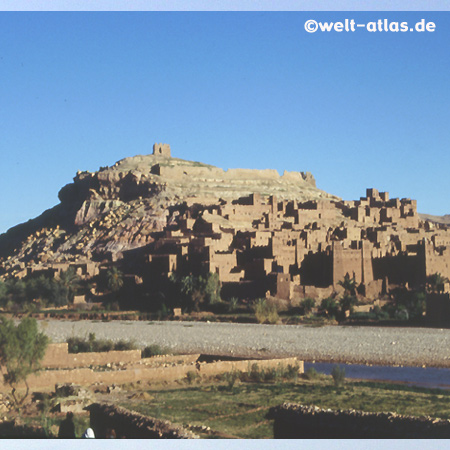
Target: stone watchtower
[[161, 150]]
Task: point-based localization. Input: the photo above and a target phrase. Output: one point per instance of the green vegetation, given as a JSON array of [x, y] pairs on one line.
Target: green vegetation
[[435, 282], [329, 308], [92, 344], [114, 279], [200, 294], [312, 374], [34, 292], [22, 348], [265, 312], [237, 408], [51, 423], [307, 304], [348, 284], [233, 304], [192, 376], [338, 375], [195, 293], [154, 350]]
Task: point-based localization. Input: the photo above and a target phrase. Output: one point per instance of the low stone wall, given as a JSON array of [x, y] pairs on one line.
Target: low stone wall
[[172, 359], [86, 377], [168, 368], [310, 422], [58, 356], [12, 430], [130, 424], [216, 368]]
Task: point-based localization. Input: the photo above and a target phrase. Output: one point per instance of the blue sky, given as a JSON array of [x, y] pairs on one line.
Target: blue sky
[[255, 90]]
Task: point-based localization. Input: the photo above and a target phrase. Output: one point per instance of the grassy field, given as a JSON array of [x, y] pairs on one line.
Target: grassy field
[[239, 410]]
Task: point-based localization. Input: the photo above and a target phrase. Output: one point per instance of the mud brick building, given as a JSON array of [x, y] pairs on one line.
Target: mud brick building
[[263, 233]]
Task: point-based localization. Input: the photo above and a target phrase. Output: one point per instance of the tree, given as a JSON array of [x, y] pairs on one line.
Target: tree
[[436, 282], [347, 303], [414, 302], [114, 279], [22, 348], [348, 284], [197, 291], [66, 287], [329, 307], [210, 285]]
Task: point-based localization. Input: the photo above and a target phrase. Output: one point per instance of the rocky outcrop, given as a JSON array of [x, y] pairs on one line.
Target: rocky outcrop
[[120, 208]]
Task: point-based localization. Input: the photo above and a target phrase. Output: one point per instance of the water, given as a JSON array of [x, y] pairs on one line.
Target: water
[[428, 377]]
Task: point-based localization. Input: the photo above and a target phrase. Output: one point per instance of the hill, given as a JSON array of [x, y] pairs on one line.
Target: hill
[[118, 208]]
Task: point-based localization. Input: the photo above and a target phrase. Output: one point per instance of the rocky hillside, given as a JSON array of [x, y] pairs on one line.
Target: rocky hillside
[[445, 220], [120, 207]]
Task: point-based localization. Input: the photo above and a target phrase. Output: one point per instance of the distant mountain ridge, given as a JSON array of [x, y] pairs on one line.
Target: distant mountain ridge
[[445, 219]]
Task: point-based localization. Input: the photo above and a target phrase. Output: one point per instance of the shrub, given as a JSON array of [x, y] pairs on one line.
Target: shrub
[[307, 304], [338, 374], [260, 375], [123, 345], [256, 374], [233, 304], [311, 374], [191, 376], [329, 307], [153, 350], [231, 377], [163, 312], [92, 344], [264, 312]]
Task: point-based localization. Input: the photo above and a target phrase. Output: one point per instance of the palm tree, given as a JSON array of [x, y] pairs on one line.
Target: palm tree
[[69, 282], [348, 284], [436, 282], [114, 279]]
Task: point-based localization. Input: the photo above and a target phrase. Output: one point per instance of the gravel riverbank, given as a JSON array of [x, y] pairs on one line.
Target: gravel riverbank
[[363, 345]]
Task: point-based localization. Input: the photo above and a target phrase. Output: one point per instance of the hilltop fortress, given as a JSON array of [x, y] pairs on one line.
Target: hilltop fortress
[[262, 233]]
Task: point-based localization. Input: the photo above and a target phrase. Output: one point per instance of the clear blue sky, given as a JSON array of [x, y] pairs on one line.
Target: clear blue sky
[[255, 90]]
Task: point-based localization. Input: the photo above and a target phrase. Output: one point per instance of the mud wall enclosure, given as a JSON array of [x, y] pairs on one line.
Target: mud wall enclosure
[[130, 424], [120, 367], [310, 422]]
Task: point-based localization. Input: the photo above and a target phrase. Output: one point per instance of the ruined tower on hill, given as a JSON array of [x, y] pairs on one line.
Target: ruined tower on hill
[[161, 150]]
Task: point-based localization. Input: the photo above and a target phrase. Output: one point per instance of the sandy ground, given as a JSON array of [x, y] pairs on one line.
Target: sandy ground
[[364, 345]]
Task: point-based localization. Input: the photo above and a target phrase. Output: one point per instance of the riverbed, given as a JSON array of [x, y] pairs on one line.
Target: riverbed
[[389, 346]]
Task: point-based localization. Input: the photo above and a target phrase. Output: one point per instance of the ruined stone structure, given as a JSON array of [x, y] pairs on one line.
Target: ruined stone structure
[[262, 233], [161, 150]]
